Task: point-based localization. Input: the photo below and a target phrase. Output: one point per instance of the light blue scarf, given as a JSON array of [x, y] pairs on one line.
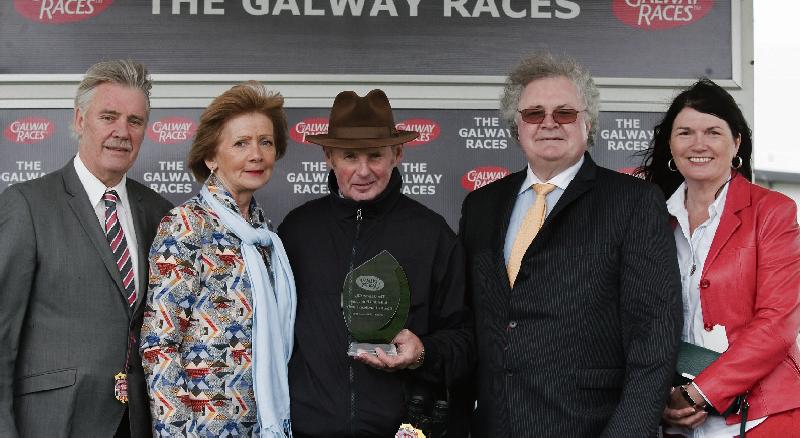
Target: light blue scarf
[[273, 322]]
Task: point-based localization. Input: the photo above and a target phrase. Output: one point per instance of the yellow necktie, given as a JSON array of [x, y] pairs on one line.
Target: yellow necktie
[[531, 224]]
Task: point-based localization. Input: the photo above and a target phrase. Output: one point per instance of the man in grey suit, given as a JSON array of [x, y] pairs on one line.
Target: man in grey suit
[[573, 275], [73, 273]]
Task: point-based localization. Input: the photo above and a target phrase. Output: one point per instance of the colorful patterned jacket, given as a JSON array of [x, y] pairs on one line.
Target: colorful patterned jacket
[[196, 337]]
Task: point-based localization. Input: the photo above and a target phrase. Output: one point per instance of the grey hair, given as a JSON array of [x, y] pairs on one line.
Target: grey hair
[[122, 71], [546, 65]]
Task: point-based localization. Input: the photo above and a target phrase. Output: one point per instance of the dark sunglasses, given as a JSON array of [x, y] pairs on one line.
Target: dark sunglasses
[[562, 116]]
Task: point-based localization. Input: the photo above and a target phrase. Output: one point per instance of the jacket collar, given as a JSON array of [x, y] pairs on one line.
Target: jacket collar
[[345, 208], [584, 180], [738, 198], [83, 210]]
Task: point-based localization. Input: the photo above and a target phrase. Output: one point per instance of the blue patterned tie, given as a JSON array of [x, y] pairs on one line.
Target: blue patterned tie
[[119, 245]]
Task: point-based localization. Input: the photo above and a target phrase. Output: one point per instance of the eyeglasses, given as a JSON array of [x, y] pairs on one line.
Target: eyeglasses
[[562, 116]]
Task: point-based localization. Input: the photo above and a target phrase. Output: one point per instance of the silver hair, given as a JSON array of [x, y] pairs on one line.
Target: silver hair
[[123, 72], [546, 65]]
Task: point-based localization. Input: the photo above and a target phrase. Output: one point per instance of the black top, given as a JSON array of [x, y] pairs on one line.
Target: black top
[[333, 395]]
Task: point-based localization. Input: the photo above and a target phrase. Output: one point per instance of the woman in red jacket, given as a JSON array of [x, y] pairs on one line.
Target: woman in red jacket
[[739, 255]]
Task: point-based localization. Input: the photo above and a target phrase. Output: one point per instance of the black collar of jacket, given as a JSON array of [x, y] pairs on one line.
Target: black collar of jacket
[[583, 181], [344, 208]]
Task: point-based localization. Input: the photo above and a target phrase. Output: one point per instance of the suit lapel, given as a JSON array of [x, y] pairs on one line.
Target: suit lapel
[[738, 198], [142, 239], [583, 182], [84, 212]]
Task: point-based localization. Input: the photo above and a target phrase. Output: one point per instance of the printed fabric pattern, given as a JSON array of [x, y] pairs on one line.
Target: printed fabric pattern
[[197, 332]]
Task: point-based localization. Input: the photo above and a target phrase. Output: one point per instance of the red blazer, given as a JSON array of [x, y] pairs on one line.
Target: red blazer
[[751, 285]]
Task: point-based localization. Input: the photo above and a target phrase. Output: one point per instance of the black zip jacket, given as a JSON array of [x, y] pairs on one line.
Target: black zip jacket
[[332, 395]]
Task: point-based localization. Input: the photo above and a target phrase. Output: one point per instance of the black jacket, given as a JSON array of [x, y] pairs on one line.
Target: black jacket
[[332, 395], [584, 344]]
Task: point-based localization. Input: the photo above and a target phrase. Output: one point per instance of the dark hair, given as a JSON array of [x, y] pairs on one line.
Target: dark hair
[[245, 98], [706, 97]]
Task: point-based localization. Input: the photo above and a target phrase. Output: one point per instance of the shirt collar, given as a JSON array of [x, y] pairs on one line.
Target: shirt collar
[[561, 180], [94, 187], [676, 204]]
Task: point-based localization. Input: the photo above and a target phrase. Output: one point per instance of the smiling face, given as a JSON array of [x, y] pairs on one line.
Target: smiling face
[[111, 131], [551, 147], [702, 147], [244, 156], [363, 173]]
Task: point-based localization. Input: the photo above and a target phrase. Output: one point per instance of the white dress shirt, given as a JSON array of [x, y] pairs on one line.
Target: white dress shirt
[[692, 252], [95, 190], [527, 196]]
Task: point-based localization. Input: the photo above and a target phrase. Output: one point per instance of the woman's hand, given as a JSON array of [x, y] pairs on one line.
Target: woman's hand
[[678, 413]]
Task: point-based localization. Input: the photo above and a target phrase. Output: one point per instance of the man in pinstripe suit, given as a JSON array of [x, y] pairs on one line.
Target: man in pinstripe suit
[[573, 276]]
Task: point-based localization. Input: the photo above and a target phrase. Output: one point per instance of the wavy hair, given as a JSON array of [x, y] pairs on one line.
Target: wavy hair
[[546, 65]]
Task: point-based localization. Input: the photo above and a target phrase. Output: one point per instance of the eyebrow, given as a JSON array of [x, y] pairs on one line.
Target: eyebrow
[[117, 113], [707, 128], [248, 137], [560, 106]]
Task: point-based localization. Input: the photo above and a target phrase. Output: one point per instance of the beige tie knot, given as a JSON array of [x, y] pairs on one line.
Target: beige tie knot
[[531, 223], [543, 189]]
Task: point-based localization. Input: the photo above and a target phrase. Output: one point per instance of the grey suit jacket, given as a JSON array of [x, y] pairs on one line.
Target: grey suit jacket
[[64, 319], [584, 344]]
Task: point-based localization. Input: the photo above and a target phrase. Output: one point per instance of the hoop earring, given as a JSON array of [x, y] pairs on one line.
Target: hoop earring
[[670, 165], [739, 164]]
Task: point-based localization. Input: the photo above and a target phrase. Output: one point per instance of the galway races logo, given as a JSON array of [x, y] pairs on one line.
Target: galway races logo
[[171, 130], [60, 11], [480, 176], [313, 126], [661, 14], [29, 130], [428, 130]]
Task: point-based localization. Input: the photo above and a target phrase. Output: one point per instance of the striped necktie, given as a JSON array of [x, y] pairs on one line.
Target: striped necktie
[[119, 245], [530, 226]]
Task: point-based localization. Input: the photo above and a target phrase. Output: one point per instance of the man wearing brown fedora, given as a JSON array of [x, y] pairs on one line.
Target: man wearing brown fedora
[[365, 214]]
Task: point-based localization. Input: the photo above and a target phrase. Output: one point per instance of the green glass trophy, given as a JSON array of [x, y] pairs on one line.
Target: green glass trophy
[[375, 301]]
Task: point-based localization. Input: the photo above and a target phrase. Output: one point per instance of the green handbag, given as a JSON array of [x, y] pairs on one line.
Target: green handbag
[[692, 359]]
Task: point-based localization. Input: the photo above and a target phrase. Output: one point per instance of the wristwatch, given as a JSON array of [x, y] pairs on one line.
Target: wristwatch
[[687, 396]]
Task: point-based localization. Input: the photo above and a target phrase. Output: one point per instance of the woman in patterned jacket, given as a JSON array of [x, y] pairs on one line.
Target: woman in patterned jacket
[[219, 321]]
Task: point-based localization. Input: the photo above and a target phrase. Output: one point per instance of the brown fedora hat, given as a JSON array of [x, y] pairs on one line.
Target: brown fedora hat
[[361, 122]]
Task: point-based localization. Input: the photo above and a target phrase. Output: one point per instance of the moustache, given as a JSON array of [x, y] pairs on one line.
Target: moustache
[[118, 143]]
